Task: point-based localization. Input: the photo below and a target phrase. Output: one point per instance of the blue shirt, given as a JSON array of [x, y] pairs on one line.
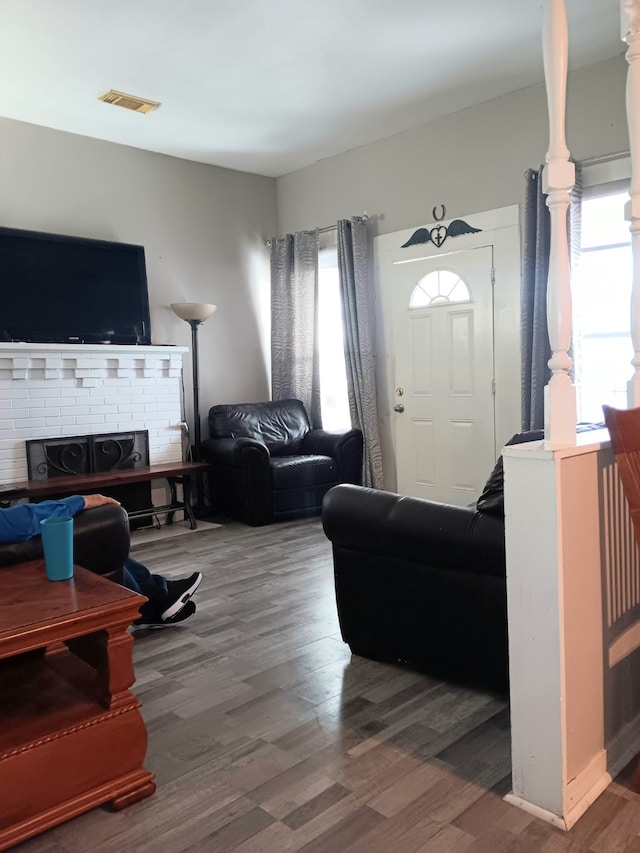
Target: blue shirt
[[22, 521]]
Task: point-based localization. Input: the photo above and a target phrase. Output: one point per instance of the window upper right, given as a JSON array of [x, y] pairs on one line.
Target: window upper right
[[602, 349]]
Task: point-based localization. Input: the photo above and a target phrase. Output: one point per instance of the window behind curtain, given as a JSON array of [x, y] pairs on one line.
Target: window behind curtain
[[334, 401], [601, 298]]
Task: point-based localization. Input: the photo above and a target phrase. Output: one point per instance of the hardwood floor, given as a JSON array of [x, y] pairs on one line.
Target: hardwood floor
[[266, 736]]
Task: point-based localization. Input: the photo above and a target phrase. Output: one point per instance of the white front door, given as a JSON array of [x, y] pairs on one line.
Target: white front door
[[444, 374]]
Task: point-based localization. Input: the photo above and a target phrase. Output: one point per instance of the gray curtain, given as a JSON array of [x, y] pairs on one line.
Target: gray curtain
[[357, 296], [294, 339], [534, 335]]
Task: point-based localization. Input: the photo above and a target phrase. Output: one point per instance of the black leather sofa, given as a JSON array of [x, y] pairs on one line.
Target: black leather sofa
[[423, 583], [269, 465], [100, 542]]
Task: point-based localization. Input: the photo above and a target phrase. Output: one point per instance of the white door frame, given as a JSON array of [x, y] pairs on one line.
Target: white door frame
[[501, 229]]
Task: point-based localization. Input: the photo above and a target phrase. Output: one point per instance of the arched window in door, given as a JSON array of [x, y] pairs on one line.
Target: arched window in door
[[439, 287]]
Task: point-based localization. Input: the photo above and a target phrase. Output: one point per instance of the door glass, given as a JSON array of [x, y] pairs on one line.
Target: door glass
[[439, 287]]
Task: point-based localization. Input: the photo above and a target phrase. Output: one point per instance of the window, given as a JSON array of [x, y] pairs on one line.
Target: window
[[439, 287], [601, 300], [334, 400]]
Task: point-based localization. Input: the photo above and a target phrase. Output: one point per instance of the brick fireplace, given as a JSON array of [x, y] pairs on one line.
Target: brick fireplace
[[49, 390]]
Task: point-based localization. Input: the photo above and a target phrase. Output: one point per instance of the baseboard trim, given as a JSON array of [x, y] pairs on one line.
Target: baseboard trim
[[583, 791], [623, 747]]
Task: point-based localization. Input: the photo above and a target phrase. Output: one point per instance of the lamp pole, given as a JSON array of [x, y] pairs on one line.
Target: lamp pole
[[195, 448], [195, 313]]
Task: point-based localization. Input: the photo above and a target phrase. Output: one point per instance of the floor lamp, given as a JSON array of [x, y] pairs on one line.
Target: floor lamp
[[195, 313]]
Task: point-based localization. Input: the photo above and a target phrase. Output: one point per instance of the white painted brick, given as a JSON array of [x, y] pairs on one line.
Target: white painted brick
[[7, 443], [44, 412], [27, 423], [6, 425], [12, 393], [90, 419], [45, 432], [75, 410], [145, 397], [19, 374], [46, 392]]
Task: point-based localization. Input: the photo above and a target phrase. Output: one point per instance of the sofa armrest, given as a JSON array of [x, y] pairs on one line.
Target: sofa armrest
[[345, 447], [100, 542], [234, 452], [241, 477], [420, 531]]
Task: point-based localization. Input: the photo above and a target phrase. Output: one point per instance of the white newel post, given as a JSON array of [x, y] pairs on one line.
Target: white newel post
[[558, 180], [553, 543], [630, 32]]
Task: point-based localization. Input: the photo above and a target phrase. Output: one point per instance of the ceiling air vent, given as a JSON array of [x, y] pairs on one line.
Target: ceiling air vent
[[129, 102]]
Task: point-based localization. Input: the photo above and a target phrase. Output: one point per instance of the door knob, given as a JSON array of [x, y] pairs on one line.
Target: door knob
[[399, 407]]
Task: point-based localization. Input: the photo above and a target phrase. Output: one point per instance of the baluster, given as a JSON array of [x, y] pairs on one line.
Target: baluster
[[558, 180], [630, 32]]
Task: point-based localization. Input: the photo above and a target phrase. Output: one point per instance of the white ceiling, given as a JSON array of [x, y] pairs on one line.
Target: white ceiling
[[269, 86]]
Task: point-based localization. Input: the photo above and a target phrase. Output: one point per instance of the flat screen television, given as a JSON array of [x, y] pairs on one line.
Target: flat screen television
[[58, 289]]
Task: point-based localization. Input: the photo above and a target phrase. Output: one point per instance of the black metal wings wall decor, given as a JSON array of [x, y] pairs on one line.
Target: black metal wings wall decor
[[439, 233]]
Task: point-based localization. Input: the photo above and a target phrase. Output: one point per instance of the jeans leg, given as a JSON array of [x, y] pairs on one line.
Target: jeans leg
[[139, 579]]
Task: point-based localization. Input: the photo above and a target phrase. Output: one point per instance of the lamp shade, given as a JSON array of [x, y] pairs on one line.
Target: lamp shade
[[199, 311]]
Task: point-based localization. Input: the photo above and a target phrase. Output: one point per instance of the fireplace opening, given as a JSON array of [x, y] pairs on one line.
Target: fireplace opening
[[48, 458]]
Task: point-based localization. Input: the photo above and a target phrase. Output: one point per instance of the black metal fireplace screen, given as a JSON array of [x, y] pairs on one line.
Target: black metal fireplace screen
[[86, 454]]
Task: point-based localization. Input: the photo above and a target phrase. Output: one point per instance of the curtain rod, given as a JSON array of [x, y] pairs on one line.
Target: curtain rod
[[325, 228]]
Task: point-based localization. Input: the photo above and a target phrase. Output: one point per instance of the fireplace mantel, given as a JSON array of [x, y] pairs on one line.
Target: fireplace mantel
[[47, 361], [49, 390]]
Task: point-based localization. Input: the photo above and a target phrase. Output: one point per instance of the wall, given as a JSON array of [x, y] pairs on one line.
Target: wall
[[203, 229], [471, 161]]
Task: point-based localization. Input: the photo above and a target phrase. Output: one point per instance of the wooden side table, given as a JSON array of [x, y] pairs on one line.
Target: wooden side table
[[71, 733]]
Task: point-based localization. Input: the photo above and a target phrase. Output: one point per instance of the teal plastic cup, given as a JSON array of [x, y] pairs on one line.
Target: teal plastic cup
[[57, 544]]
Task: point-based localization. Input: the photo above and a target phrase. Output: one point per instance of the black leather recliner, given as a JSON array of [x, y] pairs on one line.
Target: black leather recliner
[[269, 465], [421, 582]]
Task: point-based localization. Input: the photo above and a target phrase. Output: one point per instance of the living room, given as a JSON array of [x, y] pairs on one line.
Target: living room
[[204, 228]]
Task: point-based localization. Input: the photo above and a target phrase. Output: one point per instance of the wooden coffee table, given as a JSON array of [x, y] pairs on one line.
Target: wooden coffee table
[[71, 732]]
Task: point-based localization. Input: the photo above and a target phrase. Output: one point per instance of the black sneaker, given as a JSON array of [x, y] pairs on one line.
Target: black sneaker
[[184, 613], [178, 595], [150, 618]]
